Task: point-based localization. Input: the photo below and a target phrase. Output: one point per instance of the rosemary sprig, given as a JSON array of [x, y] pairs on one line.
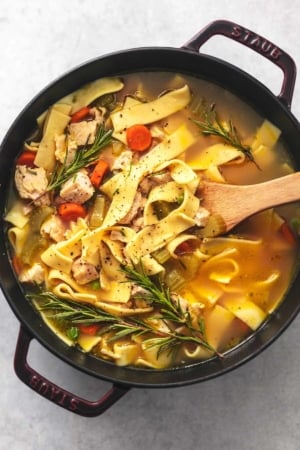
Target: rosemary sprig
[[157, 294], [171, 312], [178, 328], [210, 125], [77, 313], [70, 311], [173, 341], [82, 158]]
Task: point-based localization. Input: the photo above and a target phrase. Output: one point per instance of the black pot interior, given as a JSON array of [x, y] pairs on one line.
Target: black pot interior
[[162, 59]]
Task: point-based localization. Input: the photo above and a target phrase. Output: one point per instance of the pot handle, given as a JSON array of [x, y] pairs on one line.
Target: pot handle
[[257, 43], [56, 394]]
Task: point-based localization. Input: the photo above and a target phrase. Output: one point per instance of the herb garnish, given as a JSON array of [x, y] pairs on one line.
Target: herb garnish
[[170, 312], [211, 125], [157, 294], [83, 157], [177, 320]]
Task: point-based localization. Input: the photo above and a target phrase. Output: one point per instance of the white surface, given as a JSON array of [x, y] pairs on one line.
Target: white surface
[[256, 406]]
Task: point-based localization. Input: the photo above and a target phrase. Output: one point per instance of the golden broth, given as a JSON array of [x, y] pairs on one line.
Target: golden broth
[[207, 292]]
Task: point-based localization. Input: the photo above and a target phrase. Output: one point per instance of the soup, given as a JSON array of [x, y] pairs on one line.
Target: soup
[[107, 233]]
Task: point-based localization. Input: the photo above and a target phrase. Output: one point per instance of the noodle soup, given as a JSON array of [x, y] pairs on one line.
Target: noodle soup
[[108, 236]]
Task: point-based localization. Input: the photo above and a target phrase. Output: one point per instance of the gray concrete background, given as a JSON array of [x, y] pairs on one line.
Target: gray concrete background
[[254, 407]]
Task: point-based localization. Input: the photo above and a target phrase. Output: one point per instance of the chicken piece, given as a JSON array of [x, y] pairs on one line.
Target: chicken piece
[[138, 223], [157, 132], [84, 132], [35, 274], [138, 291], [84, 272], [31, 184], [63, 145], [124, 160], [77, 189], [161, 178], [54, 227], [98, 113], [201, 217], [27, 208], [117, 236], [146, 185], [137, 206]]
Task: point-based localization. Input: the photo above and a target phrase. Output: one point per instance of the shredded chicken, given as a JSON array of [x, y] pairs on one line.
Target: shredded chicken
[[54, 227], [123, 160], [35, 274], [161, 178], [156, 179], [157, 132], [201, 217], [117, 236], [138, 291], [84, 272], [77, 189], [31, 183], [146, 185], [84, 132], [137, 206], [98, 113], [138, 223], [27, 208]]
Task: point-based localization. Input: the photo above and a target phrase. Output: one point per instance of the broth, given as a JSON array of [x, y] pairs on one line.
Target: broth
[[108, 236]]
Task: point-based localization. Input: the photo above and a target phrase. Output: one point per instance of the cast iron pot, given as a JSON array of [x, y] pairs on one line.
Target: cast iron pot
[[185, 60]]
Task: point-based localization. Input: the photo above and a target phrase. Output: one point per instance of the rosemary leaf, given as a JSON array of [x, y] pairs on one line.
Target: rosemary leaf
[[167, 344], [122, 330], [158, 294], [82, 158]]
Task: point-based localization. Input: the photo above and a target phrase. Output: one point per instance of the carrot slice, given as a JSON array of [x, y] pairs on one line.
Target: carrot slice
[[80, 114], [242, 327], [89, 329], [138, 138], [98, 173], [71, 211], [26, 159], [17, 265], [185, 247], [288, 234]]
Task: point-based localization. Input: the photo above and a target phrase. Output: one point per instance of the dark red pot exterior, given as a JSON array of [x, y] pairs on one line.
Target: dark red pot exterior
[[186, 60]]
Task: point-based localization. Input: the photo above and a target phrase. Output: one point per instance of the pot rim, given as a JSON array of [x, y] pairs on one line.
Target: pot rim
[[133, 376]]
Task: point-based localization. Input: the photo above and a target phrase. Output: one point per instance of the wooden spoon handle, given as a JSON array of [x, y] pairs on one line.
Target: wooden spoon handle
[[274, 192], [236, 203]]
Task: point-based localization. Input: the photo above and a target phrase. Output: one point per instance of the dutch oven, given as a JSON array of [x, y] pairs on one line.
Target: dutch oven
[[187, 60]]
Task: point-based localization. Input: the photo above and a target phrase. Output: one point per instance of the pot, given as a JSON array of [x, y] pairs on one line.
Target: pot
[[185, 60]]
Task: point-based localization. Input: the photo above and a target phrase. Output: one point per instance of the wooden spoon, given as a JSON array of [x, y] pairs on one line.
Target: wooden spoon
[[235, 203]]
